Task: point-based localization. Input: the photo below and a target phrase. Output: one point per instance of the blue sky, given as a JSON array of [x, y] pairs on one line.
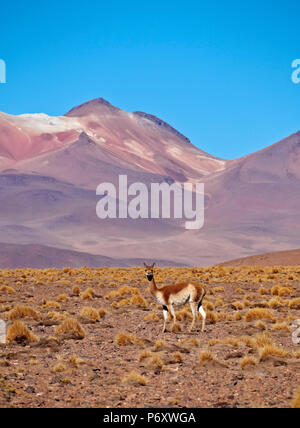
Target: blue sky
[[218, 71]]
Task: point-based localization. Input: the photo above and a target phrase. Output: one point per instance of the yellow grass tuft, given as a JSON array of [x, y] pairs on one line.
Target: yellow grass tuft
[[123, 339], [262, 326], [139, 301], [281, 326], [205, 356], [19, 332], [296, 400], [60, 367], [151, 317], [211, 317], [75, 361], [22, 311], [62, 298], [159, 345], [90, 314], [247, 361], [237, 316], [76, 290], [70, 326], [102, 312], [176, 328], [259, 313], [271, 350], [57, 316], [155, 362], [89, 293], [144, 355], [294, 303], [51, 304], [276, 302], [175, 358], [184, 314], [134, 378], [7, 289]]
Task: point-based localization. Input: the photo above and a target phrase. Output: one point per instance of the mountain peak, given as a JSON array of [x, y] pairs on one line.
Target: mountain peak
[[90, 107], [161, 123]]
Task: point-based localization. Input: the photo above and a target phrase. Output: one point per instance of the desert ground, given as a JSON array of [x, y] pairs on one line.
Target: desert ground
[[93, 338]]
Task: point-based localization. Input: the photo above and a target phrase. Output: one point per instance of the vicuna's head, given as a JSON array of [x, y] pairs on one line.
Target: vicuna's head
[[149, 270]]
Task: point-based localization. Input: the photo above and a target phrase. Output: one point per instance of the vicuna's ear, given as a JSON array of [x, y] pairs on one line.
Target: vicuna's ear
[[153, 264], [145, 264]]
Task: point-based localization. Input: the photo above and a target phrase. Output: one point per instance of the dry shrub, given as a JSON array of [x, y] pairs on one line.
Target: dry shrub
[[285, 291], [51, 304], [175, 358], [20, 333], [22, 311], [90, 314], [229, 341], [192, 342], [237, 305], [89, 293], [7, 289], [218, 289], [259, 313], [184, 314], [262, 326], [76, 290], [208, 306], [75, 361], [55, 316], [275, 290], [155, 362], [134, 378], [176, 328], [139, 301], [211, 317], [281, 326], [124, 302], [72, 327], [144, 355], [123, 290], [102, 312], [296, 354], [260, 340], [294, 303], [296, 400], [276, 302], [62, 298], [60, 367], [123, 339], [205, 356], [151, 317], [271, 351], [159, 345], [247, 361], [237, 316]]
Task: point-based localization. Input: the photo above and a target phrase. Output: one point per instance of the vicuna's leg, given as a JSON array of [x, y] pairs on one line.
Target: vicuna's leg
[[171, 309], [203, 314], [193, 306], [166, 316]]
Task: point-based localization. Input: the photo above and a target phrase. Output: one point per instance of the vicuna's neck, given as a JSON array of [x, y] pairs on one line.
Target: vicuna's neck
[[153, 287]]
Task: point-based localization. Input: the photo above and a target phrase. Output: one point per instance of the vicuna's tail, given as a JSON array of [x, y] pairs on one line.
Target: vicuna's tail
[[202, 297]]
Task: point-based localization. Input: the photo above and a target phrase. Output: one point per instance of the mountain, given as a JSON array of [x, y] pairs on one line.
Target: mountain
[[50, 168], [279, 258], [36, 256], [132, 141]]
